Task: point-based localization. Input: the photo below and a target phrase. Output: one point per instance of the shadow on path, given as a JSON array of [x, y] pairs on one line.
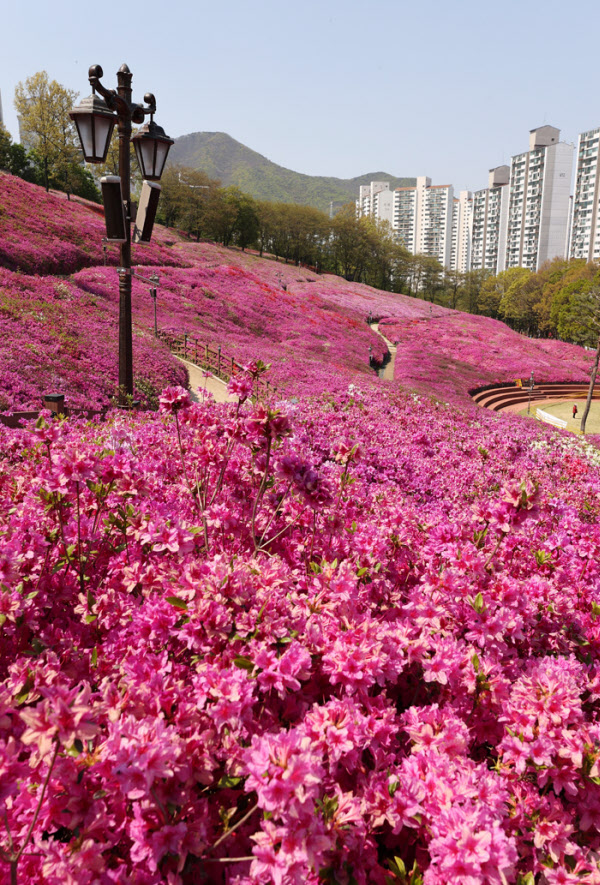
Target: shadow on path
[[387, 369]]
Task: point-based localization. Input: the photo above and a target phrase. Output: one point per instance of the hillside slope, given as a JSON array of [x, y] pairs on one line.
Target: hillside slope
[[61, 333], [222, 157]]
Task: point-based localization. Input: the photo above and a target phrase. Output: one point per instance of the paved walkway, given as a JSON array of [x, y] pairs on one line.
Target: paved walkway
[[199, 383], [388, 371]]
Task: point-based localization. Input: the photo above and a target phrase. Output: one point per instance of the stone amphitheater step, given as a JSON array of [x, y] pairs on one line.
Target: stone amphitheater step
[[502, 397]]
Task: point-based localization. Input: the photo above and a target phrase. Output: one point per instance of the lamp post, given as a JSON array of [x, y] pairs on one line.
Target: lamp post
[[95, 118]]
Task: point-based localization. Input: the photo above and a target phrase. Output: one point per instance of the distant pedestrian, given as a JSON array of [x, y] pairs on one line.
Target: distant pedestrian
[[574, 411]]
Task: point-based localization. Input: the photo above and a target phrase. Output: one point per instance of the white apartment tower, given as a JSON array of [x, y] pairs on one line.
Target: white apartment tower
[[585, 232], [436, 235], [423, 218], [462, 224], [490, 222], [376, 200], [538, 213]]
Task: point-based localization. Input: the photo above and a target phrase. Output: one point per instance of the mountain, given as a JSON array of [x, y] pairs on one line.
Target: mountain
[[222, 157]]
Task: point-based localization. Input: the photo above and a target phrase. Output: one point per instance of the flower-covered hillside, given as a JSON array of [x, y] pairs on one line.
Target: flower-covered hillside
[[44, 233], [311, 328], [362, 300], [310, 344], [354, 642], [451, 354], [57, 338]]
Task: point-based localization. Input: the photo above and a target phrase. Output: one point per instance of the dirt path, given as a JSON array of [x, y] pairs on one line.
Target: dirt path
[[199, 383], [387, 373]]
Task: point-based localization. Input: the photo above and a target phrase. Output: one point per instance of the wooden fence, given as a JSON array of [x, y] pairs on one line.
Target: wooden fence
[[225, 367], [56, 404]]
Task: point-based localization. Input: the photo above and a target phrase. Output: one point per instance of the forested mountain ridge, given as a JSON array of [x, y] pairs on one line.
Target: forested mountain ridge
[[221, 156]]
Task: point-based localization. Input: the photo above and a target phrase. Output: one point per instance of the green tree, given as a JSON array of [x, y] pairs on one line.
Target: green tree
[[221, 214], [246, 223], [43, 107], [13, 157], [453, 282], [518, 299], [471, 289], [495, 288]]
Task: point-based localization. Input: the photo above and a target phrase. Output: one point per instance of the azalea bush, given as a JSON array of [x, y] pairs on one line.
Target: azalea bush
[[353, 642]]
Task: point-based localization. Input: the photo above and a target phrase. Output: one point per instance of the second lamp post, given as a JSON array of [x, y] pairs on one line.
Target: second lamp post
[[95, 118]]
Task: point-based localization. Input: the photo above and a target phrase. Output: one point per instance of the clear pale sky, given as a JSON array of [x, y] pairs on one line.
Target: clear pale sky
[[331, 87]]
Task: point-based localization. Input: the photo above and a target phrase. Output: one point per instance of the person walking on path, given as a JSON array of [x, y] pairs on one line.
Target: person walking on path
[[574, 411]]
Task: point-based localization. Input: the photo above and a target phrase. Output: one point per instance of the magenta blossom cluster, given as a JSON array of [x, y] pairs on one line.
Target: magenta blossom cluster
[[247, 645]]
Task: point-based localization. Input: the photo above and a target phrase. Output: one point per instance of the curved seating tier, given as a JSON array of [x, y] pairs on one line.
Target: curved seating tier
[[501, 396]]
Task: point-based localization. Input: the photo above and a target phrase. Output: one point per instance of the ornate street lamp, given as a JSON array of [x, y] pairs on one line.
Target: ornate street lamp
[[95, 123], [95, 119], [151, 149]]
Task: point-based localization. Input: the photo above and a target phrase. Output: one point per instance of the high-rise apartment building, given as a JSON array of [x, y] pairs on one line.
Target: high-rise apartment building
[[436, 232], [585, 232], [405, 216], [462, 223], [421, 216], [376, 200], [490, 222], [538, 212]]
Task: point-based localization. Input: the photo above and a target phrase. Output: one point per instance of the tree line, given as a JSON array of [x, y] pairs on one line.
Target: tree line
[[363, 249]]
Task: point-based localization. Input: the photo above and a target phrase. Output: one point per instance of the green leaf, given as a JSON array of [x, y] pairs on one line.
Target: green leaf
[[89, 619], [230, 783], [243, 662], [400, 865], [177, 602], [94, 658]]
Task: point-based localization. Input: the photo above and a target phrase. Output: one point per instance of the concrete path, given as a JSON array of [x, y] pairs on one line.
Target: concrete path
[[199, 383], [388, 371]]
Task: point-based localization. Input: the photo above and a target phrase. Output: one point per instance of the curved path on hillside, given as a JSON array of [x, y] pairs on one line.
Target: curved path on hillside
[[387, 373], [199, 383]]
